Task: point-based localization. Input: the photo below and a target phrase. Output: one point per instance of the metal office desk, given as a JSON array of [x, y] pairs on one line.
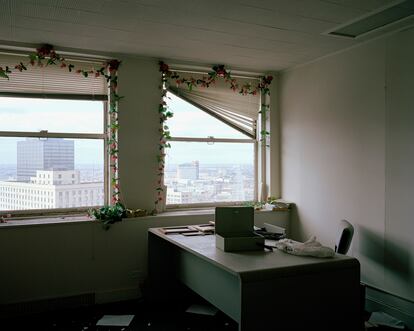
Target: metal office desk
[[260, 290]]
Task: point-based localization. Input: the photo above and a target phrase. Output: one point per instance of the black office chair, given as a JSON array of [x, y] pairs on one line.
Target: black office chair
[[345, 234], [343, 242]]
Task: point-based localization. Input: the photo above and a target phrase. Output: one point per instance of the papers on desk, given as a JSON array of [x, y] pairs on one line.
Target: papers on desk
[[189, 230], [309, 248]]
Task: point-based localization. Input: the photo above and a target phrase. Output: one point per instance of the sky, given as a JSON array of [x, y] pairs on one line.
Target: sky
[[73, 116], [188, 121], [70, 116]]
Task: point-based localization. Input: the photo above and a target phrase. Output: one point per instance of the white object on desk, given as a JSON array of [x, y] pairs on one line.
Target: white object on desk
[[310, 247]]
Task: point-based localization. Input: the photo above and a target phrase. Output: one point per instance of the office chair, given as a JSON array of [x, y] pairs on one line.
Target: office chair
[[343, 242], [345, 234]]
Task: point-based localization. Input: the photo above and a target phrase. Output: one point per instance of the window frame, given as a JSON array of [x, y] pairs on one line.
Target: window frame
[[45, 134], [212, 139]]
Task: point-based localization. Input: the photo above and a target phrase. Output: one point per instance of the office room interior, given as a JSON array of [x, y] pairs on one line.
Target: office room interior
[[341, 125]]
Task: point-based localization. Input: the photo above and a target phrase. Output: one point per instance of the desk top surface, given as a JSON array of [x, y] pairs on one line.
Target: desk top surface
[[251, 262]]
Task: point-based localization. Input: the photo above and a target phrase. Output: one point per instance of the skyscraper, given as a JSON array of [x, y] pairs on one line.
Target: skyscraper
[[50, 154], [188, 170]]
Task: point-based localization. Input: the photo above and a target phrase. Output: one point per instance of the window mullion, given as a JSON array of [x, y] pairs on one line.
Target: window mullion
[[212, 140], [45, 134]]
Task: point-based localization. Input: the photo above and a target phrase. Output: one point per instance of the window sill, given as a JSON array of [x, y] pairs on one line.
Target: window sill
[[205, 211], [35, 221], [38, 221]]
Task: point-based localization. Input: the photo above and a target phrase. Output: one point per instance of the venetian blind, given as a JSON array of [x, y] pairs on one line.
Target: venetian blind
[[51, 79], [231, 107]]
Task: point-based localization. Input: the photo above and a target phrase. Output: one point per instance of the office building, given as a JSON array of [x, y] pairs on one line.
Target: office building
[[189, 170], [38, 154], [175, 197], [50, 189]]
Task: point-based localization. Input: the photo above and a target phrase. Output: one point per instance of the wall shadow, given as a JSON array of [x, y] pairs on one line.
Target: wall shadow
[[392, 254]]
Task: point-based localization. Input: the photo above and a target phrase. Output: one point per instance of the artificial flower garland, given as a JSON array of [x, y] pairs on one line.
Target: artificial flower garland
[[45, 56], [217, 72]]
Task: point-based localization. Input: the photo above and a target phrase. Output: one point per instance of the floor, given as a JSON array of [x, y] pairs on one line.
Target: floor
[[147, 317]]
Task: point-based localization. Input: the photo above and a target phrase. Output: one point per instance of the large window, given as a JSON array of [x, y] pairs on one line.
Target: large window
[[53, 154], [210, 161]]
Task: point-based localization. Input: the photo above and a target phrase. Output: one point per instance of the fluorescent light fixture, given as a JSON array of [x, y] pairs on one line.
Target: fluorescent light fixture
[[379, 19]]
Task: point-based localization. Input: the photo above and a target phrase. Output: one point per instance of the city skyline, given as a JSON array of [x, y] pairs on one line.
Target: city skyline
[[193, 182], [43, 174]]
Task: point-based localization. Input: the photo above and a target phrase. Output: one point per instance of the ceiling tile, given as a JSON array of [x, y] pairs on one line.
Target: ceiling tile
[[259, 35]]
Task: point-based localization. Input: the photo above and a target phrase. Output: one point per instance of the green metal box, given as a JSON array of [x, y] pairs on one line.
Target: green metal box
[[234, 229]]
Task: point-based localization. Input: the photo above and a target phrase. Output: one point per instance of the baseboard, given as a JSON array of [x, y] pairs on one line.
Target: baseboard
[[45, 305], [68, 302], [400, 308]]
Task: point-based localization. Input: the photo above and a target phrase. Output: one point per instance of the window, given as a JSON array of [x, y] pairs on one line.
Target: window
[[210, 162], [52, 137], [47, 150]]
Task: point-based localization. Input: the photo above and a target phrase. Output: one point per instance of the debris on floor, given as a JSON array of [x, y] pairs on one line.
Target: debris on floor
[[115, 320], [202, 309], [379, 318]]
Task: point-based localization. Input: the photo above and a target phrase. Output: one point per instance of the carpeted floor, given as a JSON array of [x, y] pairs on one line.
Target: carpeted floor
[[146, 317]]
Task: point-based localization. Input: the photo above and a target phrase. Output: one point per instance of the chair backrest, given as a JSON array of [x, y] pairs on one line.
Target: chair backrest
[[344, 239]]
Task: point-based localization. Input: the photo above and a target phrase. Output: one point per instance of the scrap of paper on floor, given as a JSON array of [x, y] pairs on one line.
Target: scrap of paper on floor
[[115, 320]]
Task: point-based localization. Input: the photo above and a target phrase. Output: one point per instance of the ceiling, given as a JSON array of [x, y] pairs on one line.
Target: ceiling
[[254, 35]]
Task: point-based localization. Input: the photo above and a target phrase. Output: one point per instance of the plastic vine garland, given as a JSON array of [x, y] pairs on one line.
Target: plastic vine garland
[[207, 81], [46, 56]]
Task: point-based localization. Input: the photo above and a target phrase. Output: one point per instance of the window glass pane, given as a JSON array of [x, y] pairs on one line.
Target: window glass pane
[[51, 173], [34, 115], [201, 173], [189, 121]]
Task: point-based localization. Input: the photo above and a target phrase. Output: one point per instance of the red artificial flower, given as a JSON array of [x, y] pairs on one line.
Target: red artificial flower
[[221, 71], [267, 80], [113, 65], [45, 50], [19, 67], [63, 65], [164, 67]]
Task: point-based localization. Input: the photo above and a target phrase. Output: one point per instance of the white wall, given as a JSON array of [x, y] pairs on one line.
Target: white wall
[[139, 81], [61, 260], [58, 260], [347, 153]]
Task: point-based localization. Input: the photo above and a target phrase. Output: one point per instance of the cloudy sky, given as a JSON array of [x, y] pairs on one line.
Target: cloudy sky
[[33, 115]]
